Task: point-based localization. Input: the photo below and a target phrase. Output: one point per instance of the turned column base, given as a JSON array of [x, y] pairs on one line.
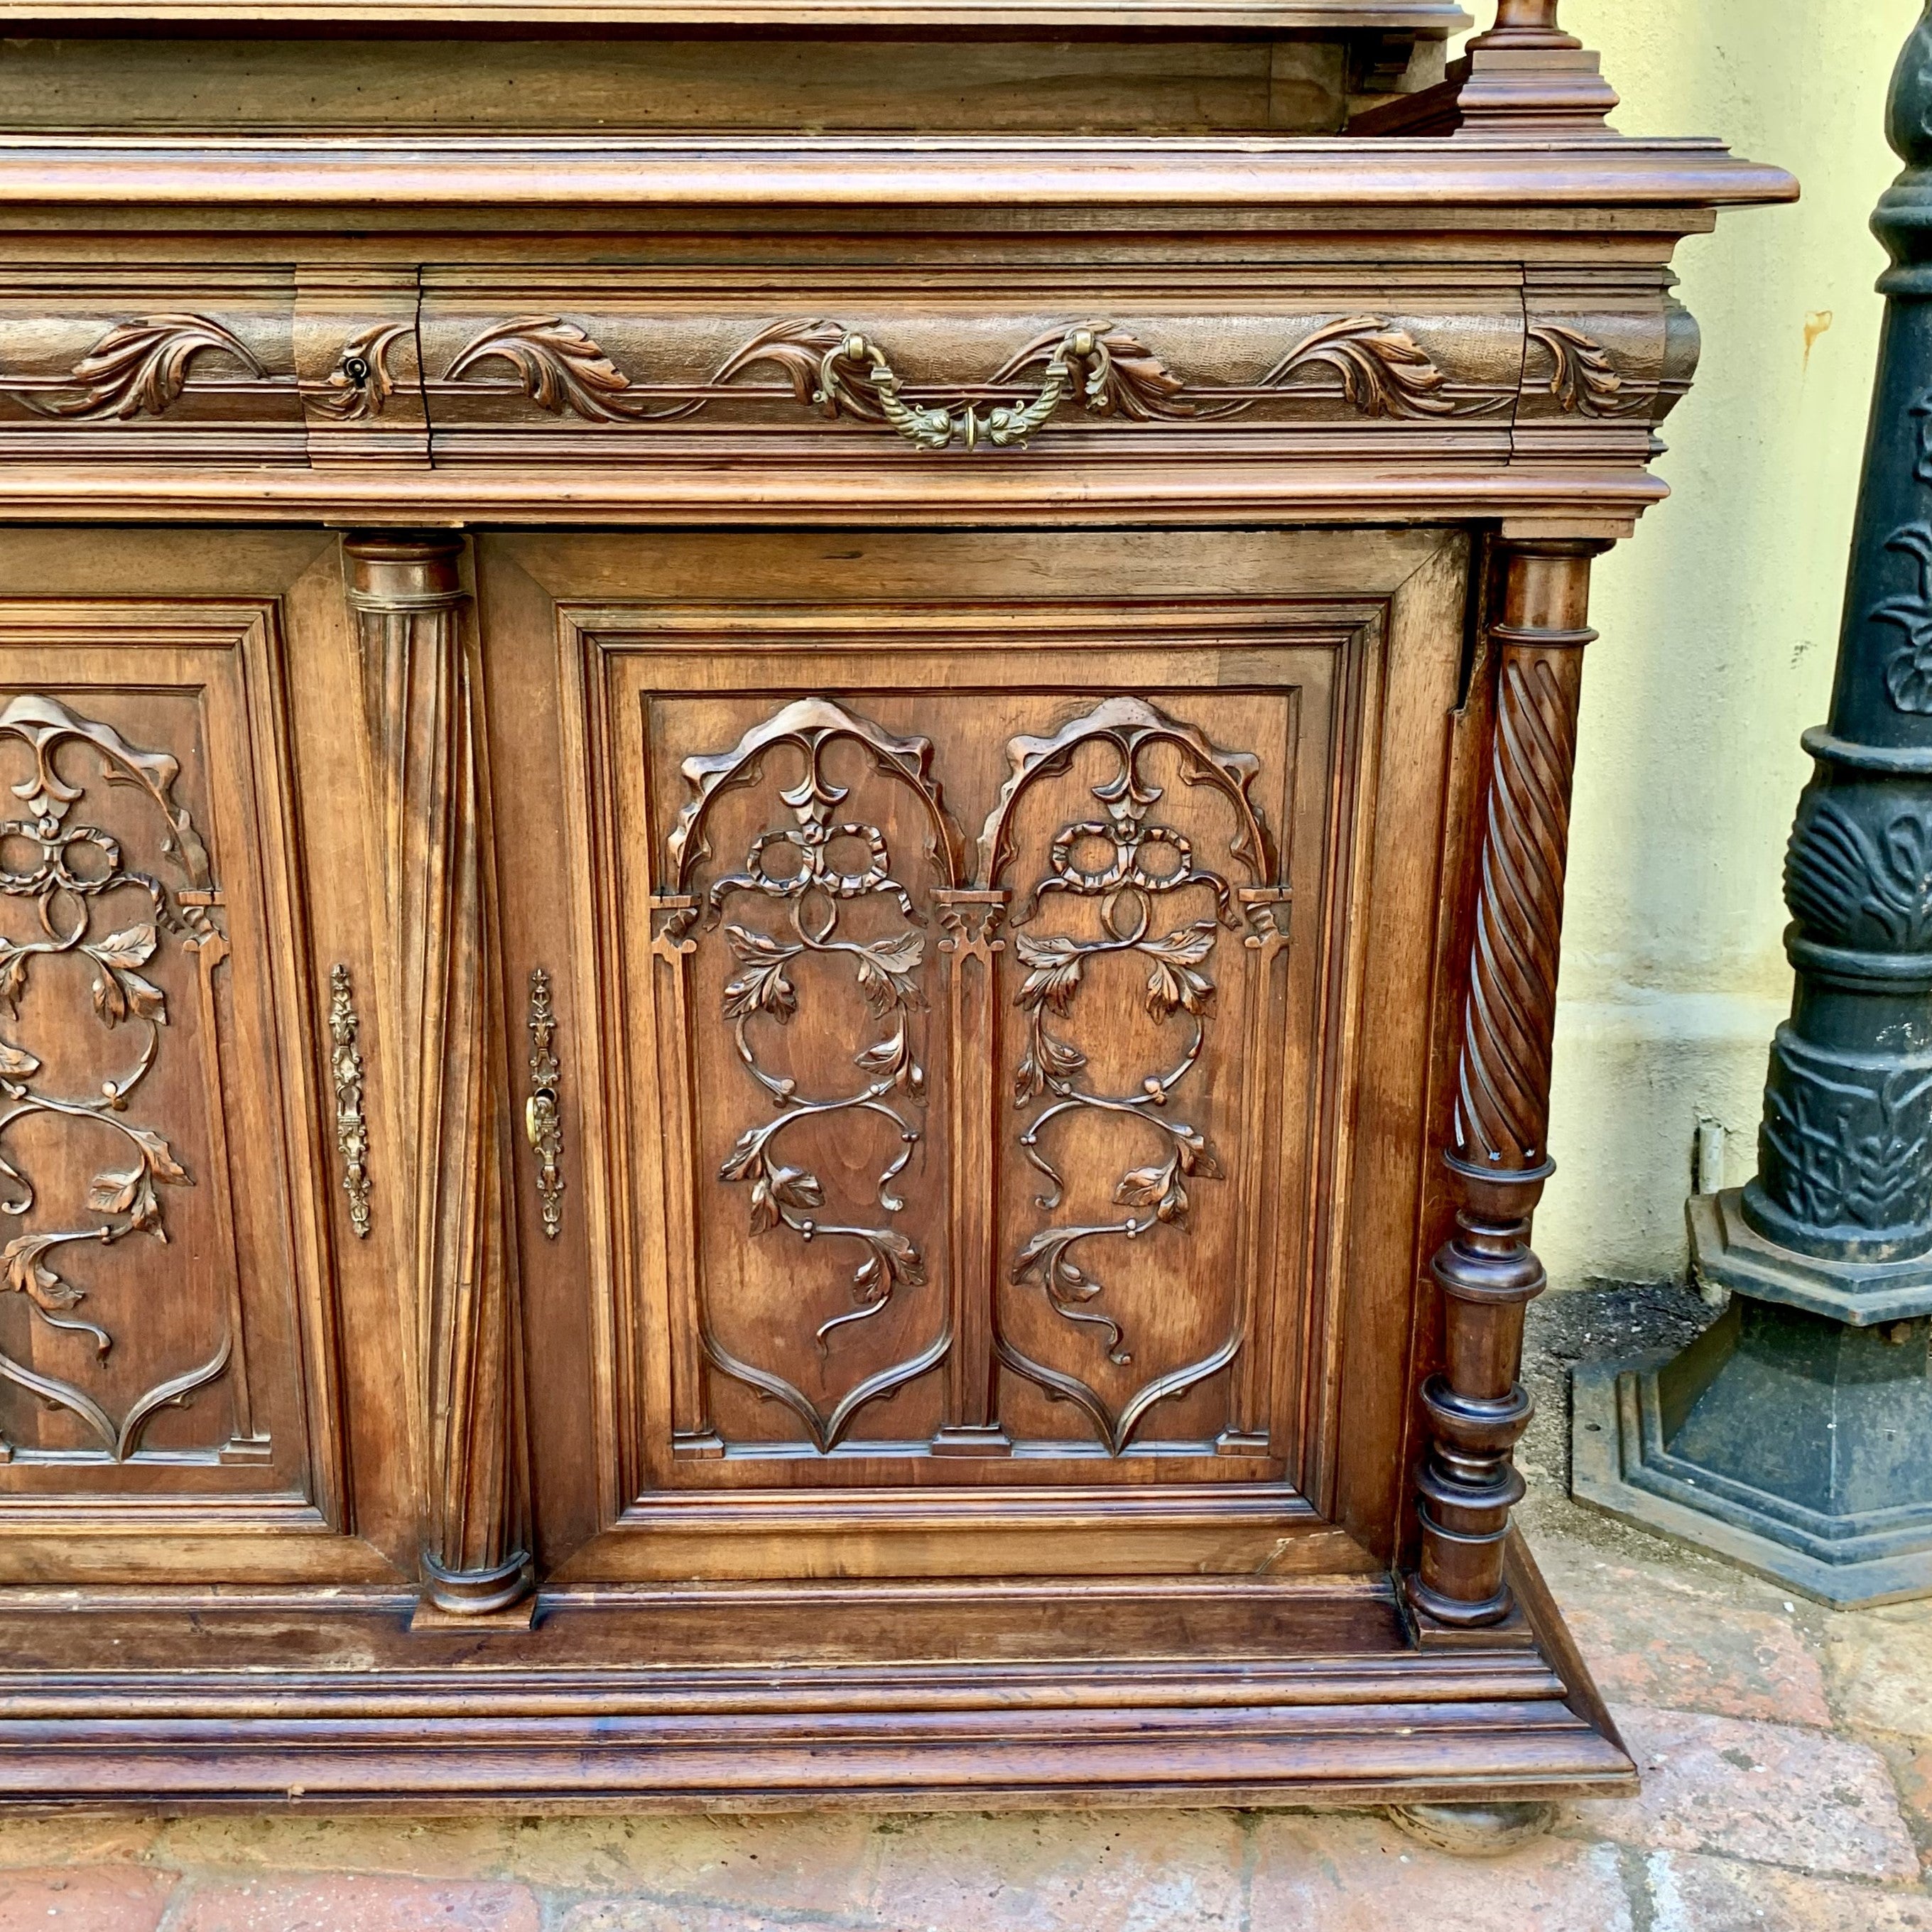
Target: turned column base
[[478, 1593]]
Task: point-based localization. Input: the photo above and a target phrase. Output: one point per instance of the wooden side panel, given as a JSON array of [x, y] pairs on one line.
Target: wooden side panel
[[157, 1286]]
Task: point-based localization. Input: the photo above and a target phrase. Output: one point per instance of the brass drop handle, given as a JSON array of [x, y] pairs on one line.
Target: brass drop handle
[[1005, 426]]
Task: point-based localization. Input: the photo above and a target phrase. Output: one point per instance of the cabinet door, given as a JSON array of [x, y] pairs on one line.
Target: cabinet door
[[977, 956], [169, 1401]]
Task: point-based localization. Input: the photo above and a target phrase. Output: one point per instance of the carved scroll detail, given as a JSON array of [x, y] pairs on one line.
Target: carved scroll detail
[[1378, 369], [541, 1120], [1583, 378], [423, 700], [1142, 864], [352, 1130], [73, 872], [791, 869], [136, 366]]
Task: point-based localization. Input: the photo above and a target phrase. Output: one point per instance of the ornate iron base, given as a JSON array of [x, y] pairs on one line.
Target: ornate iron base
[[1796, 1445]]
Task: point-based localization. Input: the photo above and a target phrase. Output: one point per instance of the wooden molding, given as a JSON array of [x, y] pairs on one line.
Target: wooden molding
[[1434, 19], [528, 179]]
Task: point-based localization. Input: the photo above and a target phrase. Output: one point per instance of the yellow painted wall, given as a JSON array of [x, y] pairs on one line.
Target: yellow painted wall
[[1719, 621]]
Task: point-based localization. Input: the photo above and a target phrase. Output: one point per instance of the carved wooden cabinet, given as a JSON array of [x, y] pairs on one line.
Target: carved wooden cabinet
[[779, 914]]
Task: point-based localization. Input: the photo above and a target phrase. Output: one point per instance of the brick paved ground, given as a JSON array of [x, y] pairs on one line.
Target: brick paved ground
[[1787, 1755]]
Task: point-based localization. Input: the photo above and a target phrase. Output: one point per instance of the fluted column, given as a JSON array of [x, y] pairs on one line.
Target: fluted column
[[423, 705], [1478, 1409]]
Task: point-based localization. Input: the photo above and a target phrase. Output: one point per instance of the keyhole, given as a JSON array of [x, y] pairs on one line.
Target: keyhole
[[356, 369]]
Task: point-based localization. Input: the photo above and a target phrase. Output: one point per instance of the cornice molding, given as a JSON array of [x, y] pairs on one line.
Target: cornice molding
[[1434, 19], [284, 177]]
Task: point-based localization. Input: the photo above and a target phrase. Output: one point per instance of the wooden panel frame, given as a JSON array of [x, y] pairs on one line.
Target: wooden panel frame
[[251, 1525], [1401, 593], [275, 598]]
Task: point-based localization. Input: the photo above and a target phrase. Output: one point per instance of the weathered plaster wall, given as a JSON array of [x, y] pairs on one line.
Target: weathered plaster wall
[[1720, 622]]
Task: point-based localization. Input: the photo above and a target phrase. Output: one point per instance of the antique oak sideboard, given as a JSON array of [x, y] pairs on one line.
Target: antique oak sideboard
[[778, 920]]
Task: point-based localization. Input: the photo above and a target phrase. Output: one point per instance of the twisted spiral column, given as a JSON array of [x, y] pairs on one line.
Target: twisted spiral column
[[1477, 1408]]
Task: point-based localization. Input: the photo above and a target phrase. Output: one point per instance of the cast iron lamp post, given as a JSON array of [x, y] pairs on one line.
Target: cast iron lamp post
[[1795, 1436]]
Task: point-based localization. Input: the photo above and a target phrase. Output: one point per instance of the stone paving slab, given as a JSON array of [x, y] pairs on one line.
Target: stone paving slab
[[1359, 1874], [1696, 1895], [343, 1903], [1770, 1792], [1881, 1666], [1651, 1639]]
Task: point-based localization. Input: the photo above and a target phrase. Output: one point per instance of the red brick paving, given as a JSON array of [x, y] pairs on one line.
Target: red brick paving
[[94, 1898]]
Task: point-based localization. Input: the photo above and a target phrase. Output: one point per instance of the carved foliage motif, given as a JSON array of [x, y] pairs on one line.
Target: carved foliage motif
[[143, 367], [76, 880], [1378, 369], [136, 367], [1846, 1147], [811, 873], [1583, 378], [1155, 904], [1136, 867], [362, 381]]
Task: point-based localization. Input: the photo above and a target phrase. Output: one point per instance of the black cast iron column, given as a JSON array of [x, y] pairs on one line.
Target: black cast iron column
[[1796, 1436]]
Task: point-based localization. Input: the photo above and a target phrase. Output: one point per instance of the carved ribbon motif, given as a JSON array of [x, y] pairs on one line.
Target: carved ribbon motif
[[72, 873], [795, 871], [1136, 864]]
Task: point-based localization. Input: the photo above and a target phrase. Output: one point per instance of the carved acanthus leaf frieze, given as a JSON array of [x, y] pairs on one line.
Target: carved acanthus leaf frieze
[[1583, 377], [1379, 370], [73, 873], [136, 367], [146, 365]]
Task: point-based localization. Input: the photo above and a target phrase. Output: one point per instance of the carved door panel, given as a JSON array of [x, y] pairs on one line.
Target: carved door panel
[[959, 1126], [959, 991], [169, 1348]]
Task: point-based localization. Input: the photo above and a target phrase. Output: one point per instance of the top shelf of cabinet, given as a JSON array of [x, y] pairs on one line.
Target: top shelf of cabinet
[[1427, 18]]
